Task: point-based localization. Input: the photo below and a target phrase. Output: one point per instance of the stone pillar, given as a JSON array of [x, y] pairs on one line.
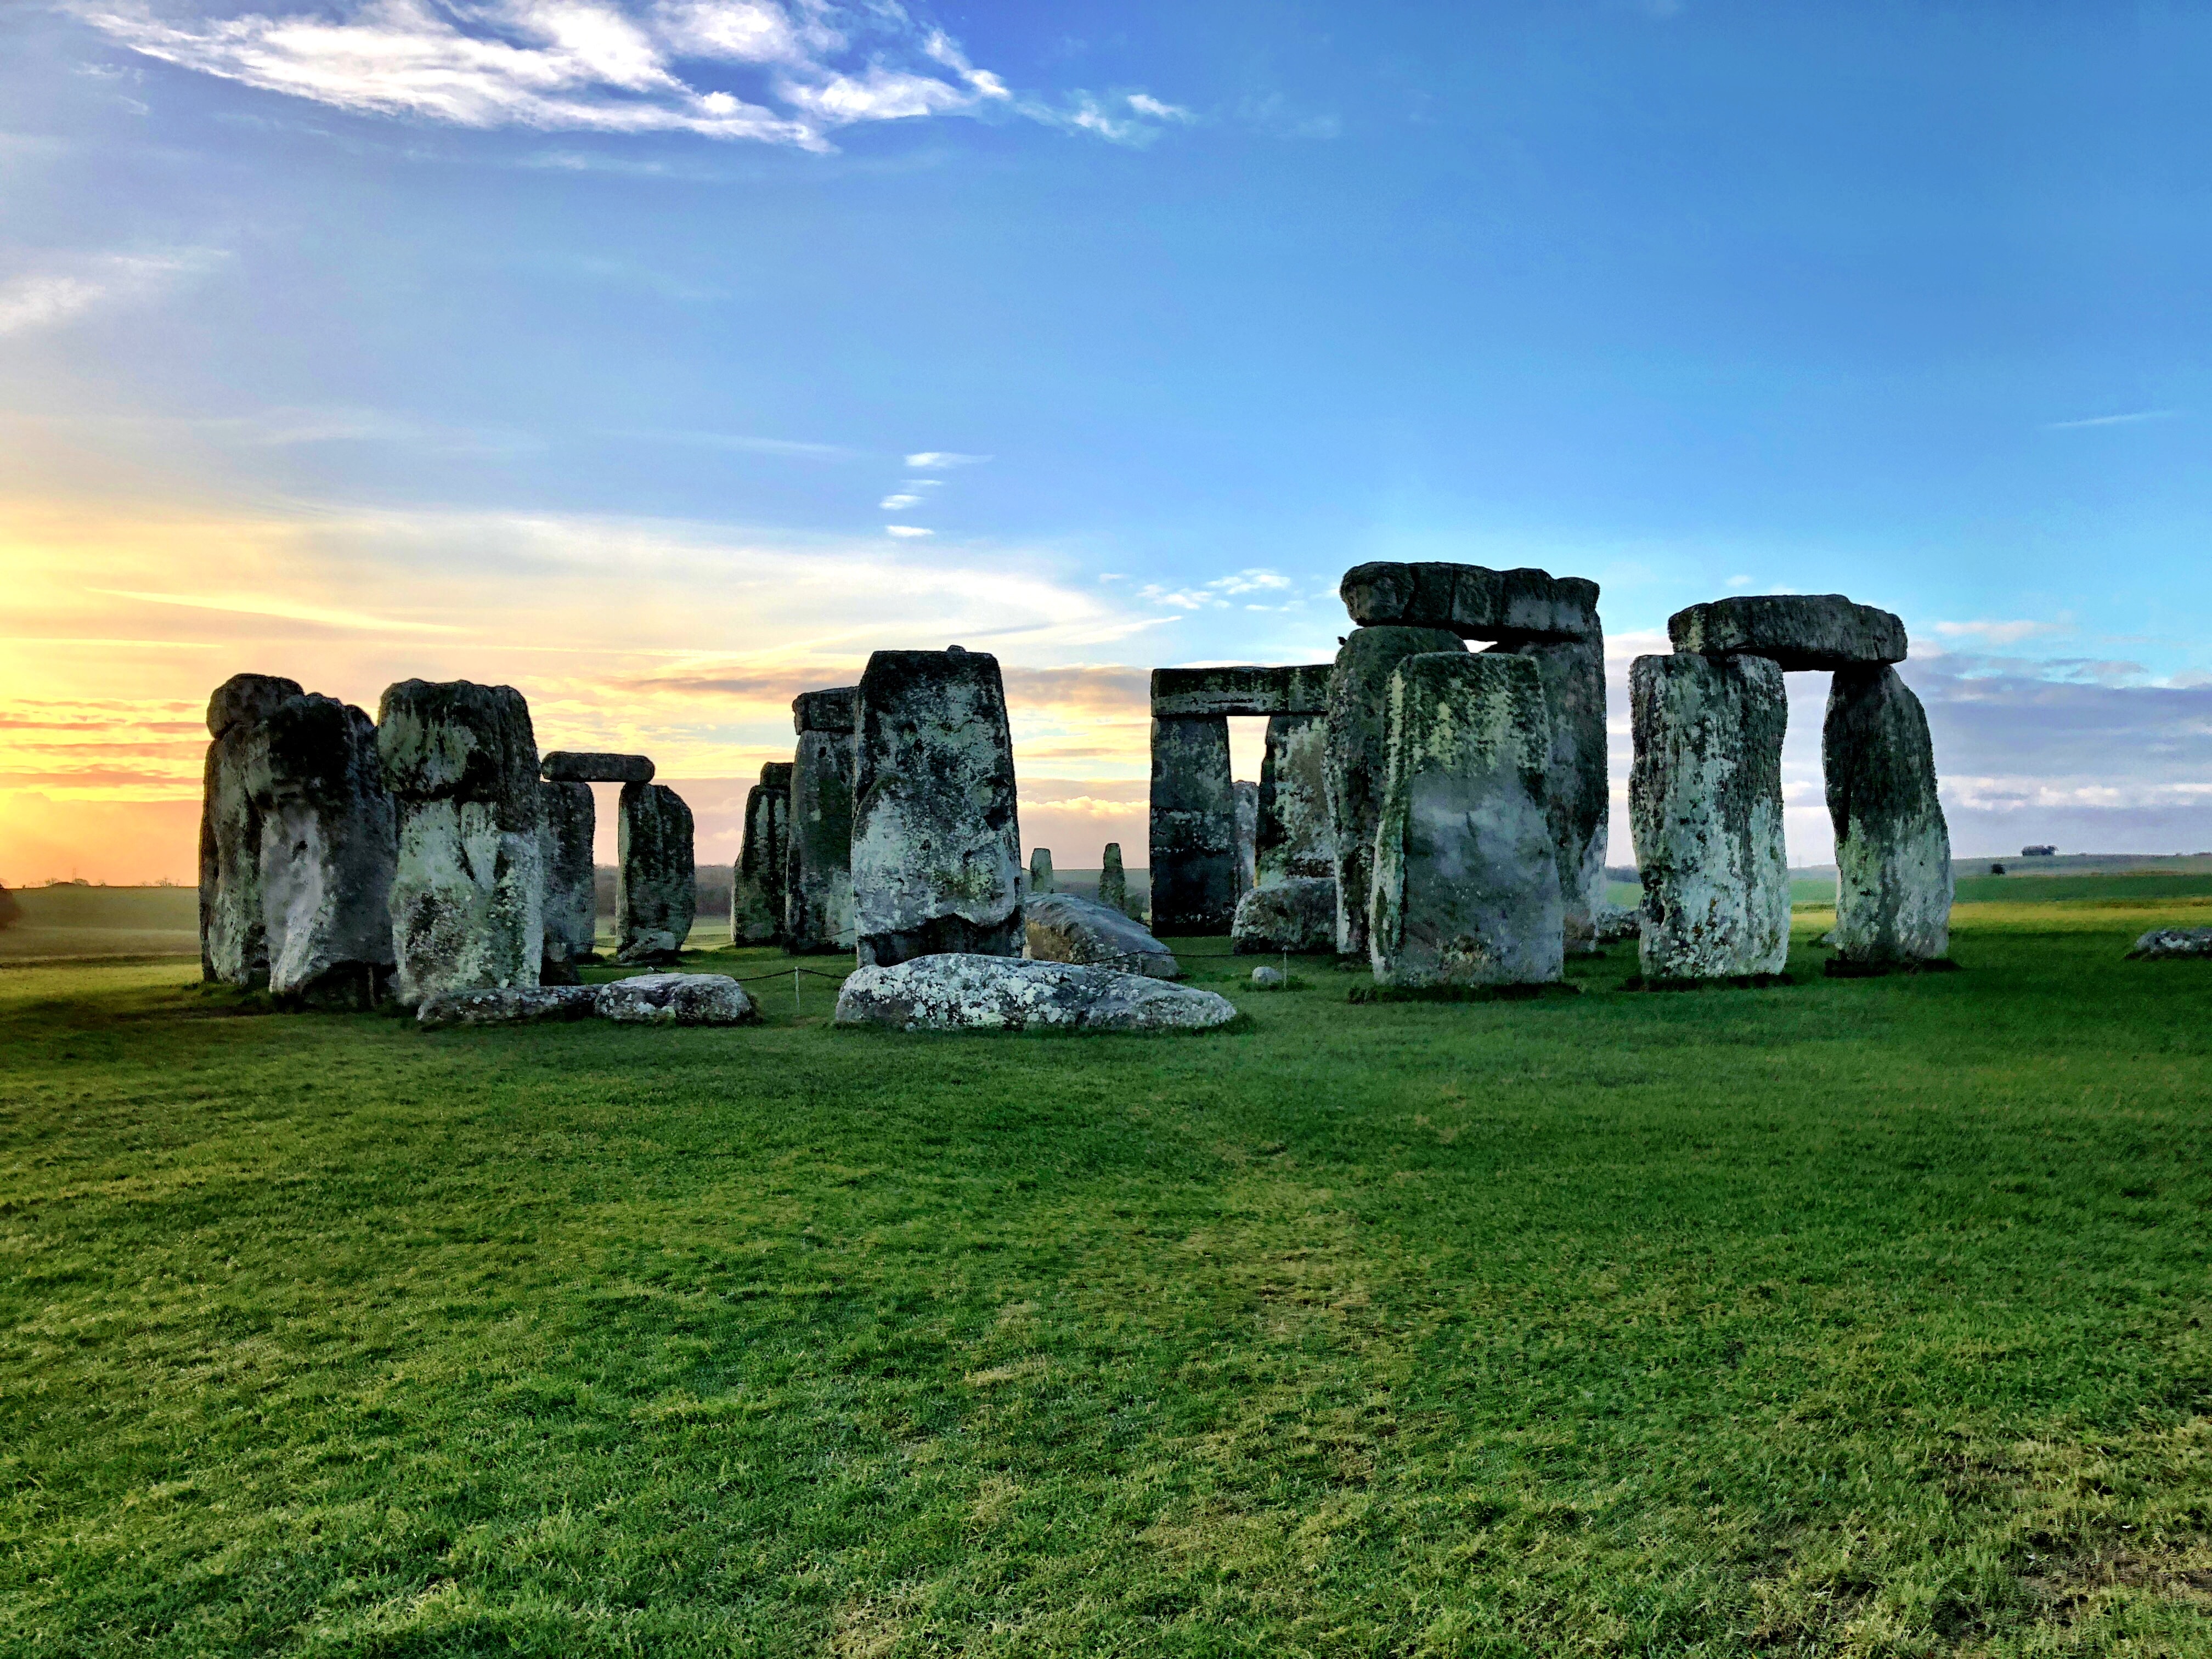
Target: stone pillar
[[468, 895], [1039, 871], [1893, 847], [1467, 875], [818, 869], [233, 933], [1292, 838], [1247, 834], [567, 822], [937, 844], [1113, 880], [1705, 801], [1358, 757], [656, 881], [329, 845], [1573, 672], [1193, 826], [757, 887]]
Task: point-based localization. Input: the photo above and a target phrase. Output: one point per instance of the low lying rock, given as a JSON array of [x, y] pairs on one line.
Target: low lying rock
[[957, 992], [675, 999], [1062, 927], [504, 1005], [2164, 944], [1269, 979], [1298, 915], [1614, 923]]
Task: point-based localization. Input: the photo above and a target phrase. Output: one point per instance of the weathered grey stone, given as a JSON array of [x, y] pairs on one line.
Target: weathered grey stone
[[759, 885], [1893, 847], [568, 819], [1617, 923], [468, 894], [937, 842], [233, 932], [1193, 826], [1296, 914], [656, 880], [589, 766], [1576, 785], [1467, 874], [1359, 756], [509, 1004], [2167, 943], [818, 879], [675, 999], [1113, 879], [833, 710], [1186, 693], [1248, 835], [329, 845], [1292, 837], [961, 992], [1269, 979], [1512, 607], [1705, 802], [1798, 630], [1041, 872], [1061, 928]]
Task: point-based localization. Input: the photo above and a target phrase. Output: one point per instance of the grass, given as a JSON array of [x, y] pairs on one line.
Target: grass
[[1853, 1317]]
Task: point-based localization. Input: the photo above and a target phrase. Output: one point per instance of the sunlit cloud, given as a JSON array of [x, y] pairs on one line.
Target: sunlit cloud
[[906, 529], [937, 461], [284, 609]]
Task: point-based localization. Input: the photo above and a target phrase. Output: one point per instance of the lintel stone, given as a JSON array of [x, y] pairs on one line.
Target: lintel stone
[[581, 766], [1192, 693], [1798, 630], [1506, 607]]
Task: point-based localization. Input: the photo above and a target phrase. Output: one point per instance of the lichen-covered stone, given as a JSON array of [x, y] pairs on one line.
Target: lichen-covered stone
[[509, 1004], [937, 845], [1269, 979], [1797, 631], [1893, 847], [1292, 839], [675, 999], [233, 932], [1248, 835], [836, 710], [818, 879], [1359, 756], [568, 819], [1040, 871], [1511, 607], [1062, 927], [1467, 874], [2173, 944], [962, 992], [1113, 879], [1576, 784], [592, 766], [468, 893], [1704, 801], [1192, 826], [1186, 693], [329, 846], [759, 883], [1296, 914], [1617, 923], [656, 881]]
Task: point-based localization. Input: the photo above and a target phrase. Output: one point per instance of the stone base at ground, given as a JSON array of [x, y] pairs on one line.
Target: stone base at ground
[[2164, 944], [993, 994], [1062, 927], [1297, 915], [506, 1005], [675, 999]]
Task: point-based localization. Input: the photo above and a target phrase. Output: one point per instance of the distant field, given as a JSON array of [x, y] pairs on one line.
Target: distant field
[[64, 922]]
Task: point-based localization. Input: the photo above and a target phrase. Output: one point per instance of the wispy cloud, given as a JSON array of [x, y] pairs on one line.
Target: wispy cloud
[[2130, 419], [284, 609], [745, 444], [937, 461], [894, 503], [906, 531], [1997, 633], [1217, 593], [45, 299]]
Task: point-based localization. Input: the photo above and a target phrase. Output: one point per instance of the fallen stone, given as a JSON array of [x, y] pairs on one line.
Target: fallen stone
[[587, 766], [568, 819], [818, 871], [468, 894], [1187, 693], [1893, 847], [1576, 785], [1467, 875], [1797, 631], [936, 838], [1509, 607], [675, 999], [329, 846], [1292, 838], [1062, 927], [960, 993], [759, 885], [1040, 871], [2167, 943], [656, 880], [508, 1004], [1297, 915], [1704, 801], [1358, 757], [1192, 826], [1113, 879], [1616, 923], [1269, 979], [234, 930]]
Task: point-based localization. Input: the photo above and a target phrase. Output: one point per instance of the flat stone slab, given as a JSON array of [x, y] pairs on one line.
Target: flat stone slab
[[835, 710], [1509, 607], [588, 766], [506, 1005], [1798, 630], [675, 999], [2167, 944], [1297, 915], [1063, 927], [1183, 693], [950, 993]]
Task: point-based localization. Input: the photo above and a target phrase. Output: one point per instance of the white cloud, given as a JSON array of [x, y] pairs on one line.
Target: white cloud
[[46, 299], [1997, 633], [745, 444], [895, 503], [937, 460], [2130, 419], [1145, 104], [906, 529], [1215, 594]]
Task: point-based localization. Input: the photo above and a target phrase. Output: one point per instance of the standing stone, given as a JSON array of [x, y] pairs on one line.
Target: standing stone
[[1892, 847], [937, 845], [233, 932], [1705, 801], [757, 889], [656, 882], [1041, 871], [1193, 826], [1248, 835], [568, 819], [1467, 874], [1113, 879], [329, 843], [1576, 786], [818, 871], [468, 896], [1292, 840], [1358, 757]]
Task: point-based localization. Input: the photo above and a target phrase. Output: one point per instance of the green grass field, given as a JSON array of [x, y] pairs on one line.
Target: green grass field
[[1851, 1317]]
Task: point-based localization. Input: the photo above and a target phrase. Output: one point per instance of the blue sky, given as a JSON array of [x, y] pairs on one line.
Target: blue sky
[[621, 350]]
